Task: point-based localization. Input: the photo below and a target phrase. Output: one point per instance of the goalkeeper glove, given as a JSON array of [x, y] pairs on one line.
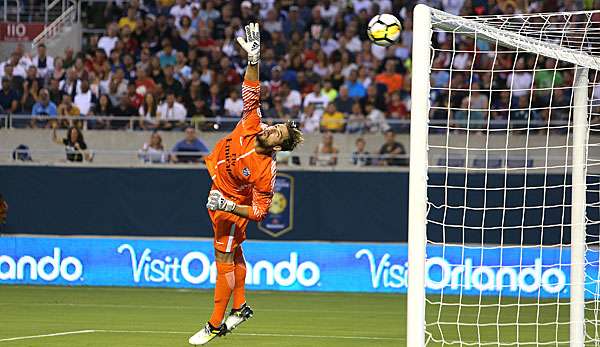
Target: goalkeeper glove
[[216, 201], [252, 43]]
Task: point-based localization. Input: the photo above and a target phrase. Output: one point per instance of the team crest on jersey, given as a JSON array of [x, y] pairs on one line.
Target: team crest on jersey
[[280, 218], [246, 172]]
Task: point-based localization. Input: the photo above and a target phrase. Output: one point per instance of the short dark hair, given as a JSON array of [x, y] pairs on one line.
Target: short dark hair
[[294, 138]]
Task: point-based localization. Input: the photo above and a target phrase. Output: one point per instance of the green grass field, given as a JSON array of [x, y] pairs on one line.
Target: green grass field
[[101, 316], [160, 317]]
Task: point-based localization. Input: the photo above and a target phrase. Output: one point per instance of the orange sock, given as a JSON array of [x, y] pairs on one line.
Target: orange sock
[[239, 291], [223, 288]]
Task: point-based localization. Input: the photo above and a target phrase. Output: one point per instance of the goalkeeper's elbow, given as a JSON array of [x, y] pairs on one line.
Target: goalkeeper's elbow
[[257, 214]]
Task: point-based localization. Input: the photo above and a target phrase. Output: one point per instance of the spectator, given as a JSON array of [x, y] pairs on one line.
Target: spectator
[[373, 97], [316, 99], [103, 108], [44, 63], [135, 99], [69, 58], [180, 10], [520, 80], [170, 84], [129, 67], [329, 92], [75, 146], [520, 115], [376, 121], [67, 109], [332, 120], [343, 102], [129, 20], [9, 99], [183, 73], [291, 99], [85, 100], [230, 75], [233, 105], [54, 91], [58, 72], [125, 112], [360, 157], [356, 89], [108, 41], [167, 56], [215, 100], [278, 111], [143, 83], [32, 75], [117, 87], [148, 113], [29, 96], [71, 85], [186, 30], [171, 113], [153, 151], [390, 78], [398, 112], [356, 120], [310, 120], [272, 23], [325, 153], [44, 107], [190, 149], [144, 61], [293, 23], [208, 12], [392, 152], [16, 82]]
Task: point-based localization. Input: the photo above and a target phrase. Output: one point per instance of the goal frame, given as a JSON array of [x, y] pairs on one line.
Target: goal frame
[[419, 132]]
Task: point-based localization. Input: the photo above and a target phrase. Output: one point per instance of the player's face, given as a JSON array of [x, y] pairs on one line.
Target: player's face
[[273, 135]]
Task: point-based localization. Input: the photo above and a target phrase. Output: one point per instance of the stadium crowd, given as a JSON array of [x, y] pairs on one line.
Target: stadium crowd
[[166, 64]]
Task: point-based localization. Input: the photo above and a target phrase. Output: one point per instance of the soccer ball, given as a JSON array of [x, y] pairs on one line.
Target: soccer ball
[[384, 29]]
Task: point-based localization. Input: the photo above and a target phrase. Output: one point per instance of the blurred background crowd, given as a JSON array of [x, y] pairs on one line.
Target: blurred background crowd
[[171, 64]]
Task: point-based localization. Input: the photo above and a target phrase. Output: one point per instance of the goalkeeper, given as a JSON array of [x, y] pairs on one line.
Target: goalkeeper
[[242, 168]]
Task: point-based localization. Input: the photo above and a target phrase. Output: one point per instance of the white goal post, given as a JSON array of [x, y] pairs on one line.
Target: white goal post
[[504, 188]]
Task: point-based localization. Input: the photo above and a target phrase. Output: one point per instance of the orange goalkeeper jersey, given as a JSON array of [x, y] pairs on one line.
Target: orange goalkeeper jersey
[[241, 174]]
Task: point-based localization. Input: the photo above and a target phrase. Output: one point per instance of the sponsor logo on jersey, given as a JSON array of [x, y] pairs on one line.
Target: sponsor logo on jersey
[[246, 172]]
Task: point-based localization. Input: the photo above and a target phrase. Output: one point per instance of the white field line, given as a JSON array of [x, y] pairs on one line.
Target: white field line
[[175, 307], [257, 334], [189, 333], [48, 335]]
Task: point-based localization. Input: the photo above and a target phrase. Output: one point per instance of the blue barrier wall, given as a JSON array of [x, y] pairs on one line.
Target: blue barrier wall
[[304, 266], [171, 202], [330, 206]]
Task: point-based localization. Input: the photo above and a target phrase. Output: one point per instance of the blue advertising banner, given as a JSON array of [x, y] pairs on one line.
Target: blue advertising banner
[[299, 266]]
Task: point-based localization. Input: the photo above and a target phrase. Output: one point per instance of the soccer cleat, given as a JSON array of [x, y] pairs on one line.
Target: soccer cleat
[[237, 317], [206, 334]]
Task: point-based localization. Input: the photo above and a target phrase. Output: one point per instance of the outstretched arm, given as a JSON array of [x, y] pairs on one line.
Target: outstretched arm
[[252, 46], [251, 73], [251, 86]]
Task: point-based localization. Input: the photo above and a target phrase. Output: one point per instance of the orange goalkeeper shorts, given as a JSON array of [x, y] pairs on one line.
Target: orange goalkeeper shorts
[[229, 230]]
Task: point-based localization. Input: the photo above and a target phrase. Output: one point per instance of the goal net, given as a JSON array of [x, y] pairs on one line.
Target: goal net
[[504, 180]]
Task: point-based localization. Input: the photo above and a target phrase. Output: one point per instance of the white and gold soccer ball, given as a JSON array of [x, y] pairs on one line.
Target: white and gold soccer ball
[[384, 29]]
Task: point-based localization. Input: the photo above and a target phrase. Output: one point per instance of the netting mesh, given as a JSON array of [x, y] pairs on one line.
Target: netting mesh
[[499, 187]]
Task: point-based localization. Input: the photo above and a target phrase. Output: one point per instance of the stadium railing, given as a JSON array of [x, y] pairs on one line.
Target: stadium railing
[[221, 123]]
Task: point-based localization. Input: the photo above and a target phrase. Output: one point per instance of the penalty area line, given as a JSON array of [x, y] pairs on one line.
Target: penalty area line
[[257, 334], [47, 335]]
